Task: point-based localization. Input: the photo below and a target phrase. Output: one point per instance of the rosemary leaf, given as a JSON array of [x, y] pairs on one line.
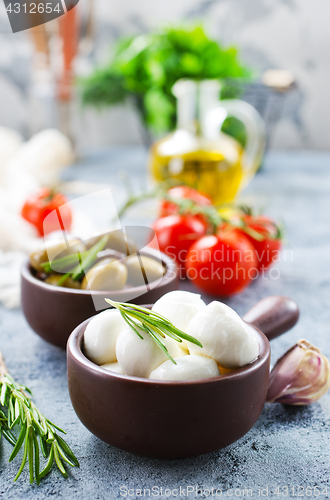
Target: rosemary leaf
[[90, 257], [49, 464], [19, 442], [44, 446], [31, 453], [9, 436], [58, 460], [24, 457], [156, 325], [66, 448], [160, 344], [130, 324], [3, 397], [36, 459]]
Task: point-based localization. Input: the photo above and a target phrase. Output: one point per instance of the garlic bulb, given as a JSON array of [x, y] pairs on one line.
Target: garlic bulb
[[224, 336], [186, 368], [300, 377], [101, 335]]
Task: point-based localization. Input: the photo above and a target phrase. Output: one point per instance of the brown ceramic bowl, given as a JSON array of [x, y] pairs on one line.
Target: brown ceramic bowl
[[176, 419], [53, 312]]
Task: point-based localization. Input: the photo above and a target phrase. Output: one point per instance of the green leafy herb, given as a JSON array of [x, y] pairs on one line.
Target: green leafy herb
[[63, 263], [154, 324], [17, 409], [80, 261], [145, 68]]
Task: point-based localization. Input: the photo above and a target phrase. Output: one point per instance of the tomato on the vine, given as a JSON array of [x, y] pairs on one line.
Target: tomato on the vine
[[268, 240], [176, 233], [38, 206], [181, 193], [222, 264]]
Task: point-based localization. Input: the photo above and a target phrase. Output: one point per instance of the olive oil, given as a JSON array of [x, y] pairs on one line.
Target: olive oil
[[198, 153], [216, 171]]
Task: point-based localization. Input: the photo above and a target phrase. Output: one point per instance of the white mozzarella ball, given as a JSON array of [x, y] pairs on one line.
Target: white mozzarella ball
[[175, 348], [187, 368], [138, 357], [224, 336], [179, 307], [101, 335], [113, 367]]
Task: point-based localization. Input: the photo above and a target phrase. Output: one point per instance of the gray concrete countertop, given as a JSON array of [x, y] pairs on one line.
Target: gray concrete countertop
[[287, 448]]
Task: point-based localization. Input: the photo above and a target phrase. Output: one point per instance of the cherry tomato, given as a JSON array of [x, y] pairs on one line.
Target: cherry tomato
[[267, 249], [182, 192], [45, 202], [175, 235], [222, 264]]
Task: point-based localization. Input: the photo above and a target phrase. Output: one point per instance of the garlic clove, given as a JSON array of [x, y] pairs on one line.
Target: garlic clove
[[300, 377]]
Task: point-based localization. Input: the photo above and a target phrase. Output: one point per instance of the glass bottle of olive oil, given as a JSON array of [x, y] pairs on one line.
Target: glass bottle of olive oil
[[198, 153]]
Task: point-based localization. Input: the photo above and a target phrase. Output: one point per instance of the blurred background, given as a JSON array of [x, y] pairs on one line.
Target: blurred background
[[285, 35]]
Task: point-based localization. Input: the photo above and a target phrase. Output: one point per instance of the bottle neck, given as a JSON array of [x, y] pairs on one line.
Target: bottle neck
[[194, 101]]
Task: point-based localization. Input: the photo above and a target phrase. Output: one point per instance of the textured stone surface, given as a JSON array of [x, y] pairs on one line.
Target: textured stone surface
[[287, 446]]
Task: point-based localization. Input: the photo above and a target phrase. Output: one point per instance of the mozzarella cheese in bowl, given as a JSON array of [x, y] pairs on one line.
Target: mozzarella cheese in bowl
[[179, 307], [227, 341], [101, 334], [113, 367], [192, 367], [224, 335], [139, 357]]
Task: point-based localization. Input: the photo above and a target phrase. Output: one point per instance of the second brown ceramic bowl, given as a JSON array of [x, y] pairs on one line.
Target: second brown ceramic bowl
[[176, 419], [53, 312]]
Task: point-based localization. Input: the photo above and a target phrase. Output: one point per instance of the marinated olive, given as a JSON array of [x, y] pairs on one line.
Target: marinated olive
[[52, 249], [139, 267], [108, 274], [68, 283]]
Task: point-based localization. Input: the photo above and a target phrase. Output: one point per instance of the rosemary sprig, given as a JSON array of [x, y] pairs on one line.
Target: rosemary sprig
[[62, 263], [154, 324], [85, 260], [17, 409]]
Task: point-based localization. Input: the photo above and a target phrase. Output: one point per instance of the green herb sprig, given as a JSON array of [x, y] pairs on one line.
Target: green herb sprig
[[79, 262], [17, 409], [154, 324]]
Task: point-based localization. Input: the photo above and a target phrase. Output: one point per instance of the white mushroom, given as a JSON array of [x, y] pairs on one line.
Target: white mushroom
[[187, 368], [101, 335], [179, 307], [224, 336]]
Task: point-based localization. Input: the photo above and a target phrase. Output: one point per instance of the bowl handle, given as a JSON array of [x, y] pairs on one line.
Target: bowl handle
[[273, 315]]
